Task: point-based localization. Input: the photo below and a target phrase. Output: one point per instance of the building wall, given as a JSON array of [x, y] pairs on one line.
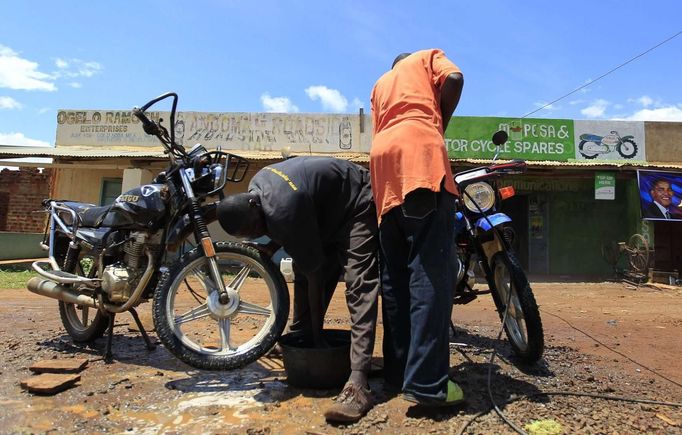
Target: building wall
[[580, 225], [4, 208], [21, 246], [81, 184], [85, 185], [21, 193], [560, 225], [663, 141]]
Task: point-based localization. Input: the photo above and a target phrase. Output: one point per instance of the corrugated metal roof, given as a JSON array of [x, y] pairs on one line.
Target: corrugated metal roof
[[78, 153], [153, 153], [584, 164]]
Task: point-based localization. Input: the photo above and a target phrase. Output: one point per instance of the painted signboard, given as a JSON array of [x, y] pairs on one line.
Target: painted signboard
[[238, 131], [609, 140], [465, 137], [660, 195], [529, 139]]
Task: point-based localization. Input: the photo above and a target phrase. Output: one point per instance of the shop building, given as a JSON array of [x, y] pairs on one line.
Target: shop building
[[579, 192]]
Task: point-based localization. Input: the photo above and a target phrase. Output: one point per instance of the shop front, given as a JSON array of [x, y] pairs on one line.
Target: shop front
[[580, 191], [561, 226]]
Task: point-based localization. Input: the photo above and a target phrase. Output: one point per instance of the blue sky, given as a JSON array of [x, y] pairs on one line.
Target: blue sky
[[324, 56]]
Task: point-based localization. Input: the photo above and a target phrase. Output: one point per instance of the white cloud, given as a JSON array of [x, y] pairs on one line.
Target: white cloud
[[358, 104], [18, 139], [19, 73], [596, 109], [331, 99], [277, 104], [72, 68], [645, 101], [670, 113], [75, 85], [9, 103], [89, 69]]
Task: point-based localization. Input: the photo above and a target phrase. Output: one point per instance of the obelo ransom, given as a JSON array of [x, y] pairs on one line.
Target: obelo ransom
[[321, 211]]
